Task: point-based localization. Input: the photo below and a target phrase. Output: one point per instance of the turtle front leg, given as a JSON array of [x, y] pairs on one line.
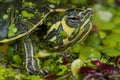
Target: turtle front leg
[[30, 63]]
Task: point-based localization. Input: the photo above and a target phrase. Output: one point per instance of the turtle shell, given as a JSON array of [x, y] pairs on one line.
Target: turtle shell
[[20, 17]]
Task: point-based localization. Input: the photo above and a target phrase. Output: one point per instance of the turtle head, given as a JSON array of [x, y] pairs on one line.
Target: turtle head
[[73, 27], [78, 23], [75, 18]]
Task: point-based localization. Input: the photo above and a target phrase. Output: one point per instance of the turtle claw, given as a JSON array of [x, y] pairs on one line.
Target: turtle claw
[[44, 72]]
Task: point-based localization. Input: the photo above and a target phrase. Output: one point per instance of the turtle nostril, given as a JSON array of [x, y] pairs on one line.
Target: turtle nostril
[[90, 12]]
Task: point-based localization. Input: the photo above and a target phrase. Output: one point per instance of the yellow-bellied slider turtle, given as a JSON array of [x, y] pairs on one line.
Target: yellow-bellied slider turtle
[[55, 30]]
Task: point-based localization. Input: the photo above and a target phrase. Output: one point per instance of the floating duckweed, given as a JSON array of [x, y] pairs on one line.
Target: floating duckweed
[[42, 15], [49, 23], [36, 11], [5, 16], [12, 30], [29, 4], [27, 14], [63, 34], [17, 59]]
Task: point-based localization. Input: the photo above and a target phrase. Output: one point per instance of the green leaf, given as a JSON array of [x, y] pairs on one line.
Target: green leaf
[[92, 40], [112, 52], [85, 53], [62, 69], [17, 59], [76, 49], [116, 30], [96, 55], [111, 40], [102, 34]]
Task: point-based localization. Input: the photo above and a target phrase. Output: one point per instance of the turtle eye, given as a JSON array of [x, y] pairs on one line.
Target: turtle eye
[[73, 18], [72, 21]]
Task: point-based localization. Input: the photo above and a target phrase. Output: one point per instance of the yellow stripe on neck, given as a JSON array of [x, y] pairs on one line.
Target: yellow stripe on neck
[[69, 30]]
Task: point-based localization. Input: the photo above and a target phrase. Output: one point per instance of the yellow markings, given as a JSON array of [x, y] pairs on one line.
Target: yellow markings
[[27, 57], [56, 47], [68, 30], [87, 31], [53, 39], [82, 30], [43, 53], [58, 10], [82, 27], [54, 26], [34, 26], [7, 40]]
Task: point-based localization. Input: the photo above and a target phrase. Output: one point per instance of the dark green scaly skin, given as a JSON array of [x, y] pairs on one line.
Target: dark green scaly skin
[[25, 16], [41, 29]]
